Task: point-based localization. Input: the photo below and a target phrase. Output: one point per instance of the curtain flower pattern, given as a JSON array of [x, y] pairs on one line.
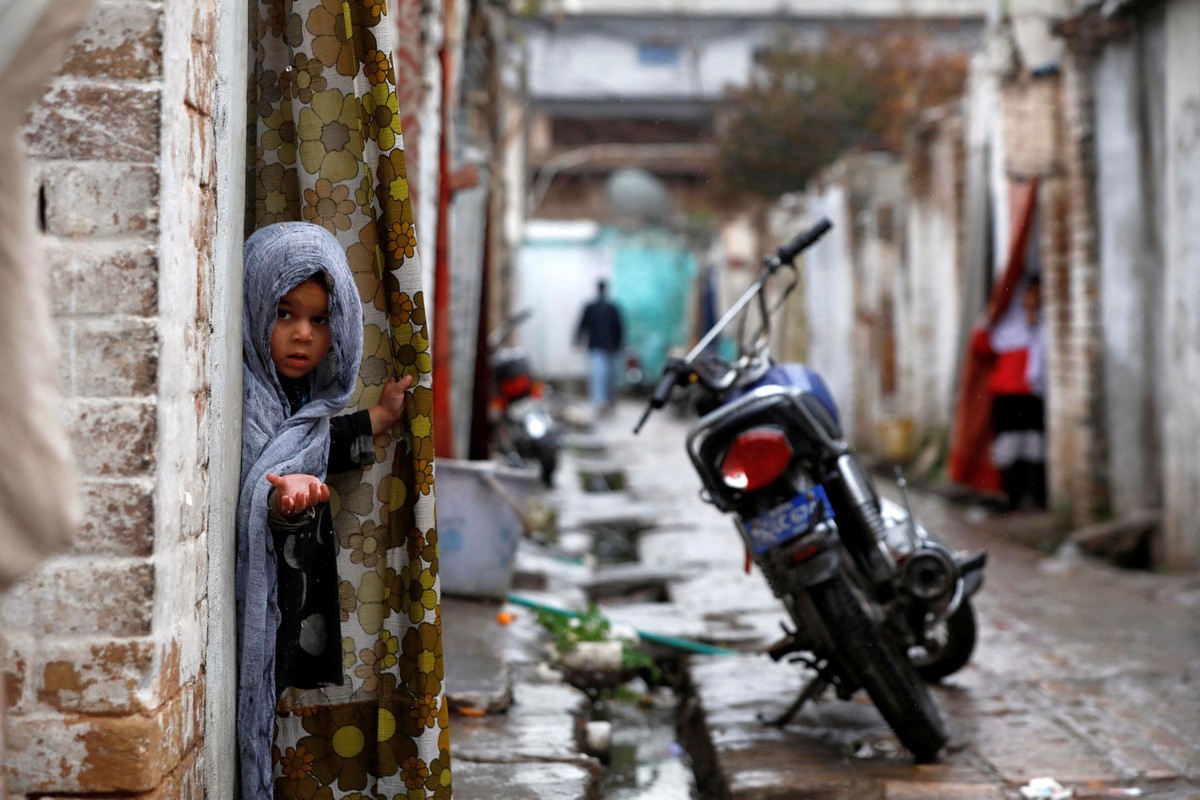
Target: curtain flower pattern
[[325, 146]]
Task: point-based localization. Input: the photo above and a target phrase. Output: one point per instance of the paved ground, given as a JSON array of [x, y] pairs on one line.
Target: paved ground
[[1084, 673]]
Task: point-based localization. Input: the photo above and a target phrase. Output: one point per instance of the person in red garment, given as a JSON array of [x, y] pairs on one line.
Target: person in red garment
[[970, 458], [1016, 382]]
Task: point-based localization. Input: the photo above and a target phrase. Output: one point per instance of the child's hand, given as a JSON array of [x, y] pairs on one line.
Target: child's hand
[[295, 493], [391, 404]]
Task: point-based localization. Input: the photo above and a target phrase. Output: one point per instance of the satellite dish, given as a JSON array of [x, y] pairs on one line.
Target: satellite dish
[[634, 192]]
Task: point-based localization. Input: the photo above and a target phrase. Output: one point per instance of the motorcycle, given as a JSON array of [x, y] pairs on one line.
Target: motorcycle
[[523, 428], [878, 603]]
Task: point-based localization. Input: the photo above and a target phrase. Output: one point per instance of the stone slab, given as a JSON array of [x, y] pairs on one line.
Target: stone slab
[[473, 644], [516, 739]]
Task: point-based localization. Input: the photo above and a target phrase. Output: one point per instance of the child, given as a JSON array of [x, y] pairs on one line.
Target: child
[[1017, 385], [301, 347]]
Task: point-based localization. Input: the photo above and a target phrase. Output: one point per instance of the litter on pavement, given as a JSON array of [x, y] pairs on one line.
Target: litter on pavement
[[1046, 789]]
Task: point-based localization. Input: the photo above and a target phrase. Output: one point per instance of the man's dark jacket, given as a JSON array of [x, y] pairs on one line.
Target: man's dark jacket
[[601, 324]]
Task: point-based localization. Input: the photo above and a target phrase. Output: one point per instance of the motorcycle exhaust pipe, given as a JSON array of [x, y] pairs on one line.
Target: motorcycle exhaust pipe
[[931, 573]]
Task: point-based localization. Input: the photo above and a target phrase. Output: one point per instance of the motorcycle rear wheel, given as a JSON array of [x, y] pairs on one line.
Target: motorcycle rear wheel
[[881, 667], [957, 637], [547, 456]]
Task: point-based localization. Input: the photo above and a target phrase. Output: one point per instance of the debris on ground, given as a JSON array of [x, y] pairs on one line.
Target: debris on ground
[[1047, 789]]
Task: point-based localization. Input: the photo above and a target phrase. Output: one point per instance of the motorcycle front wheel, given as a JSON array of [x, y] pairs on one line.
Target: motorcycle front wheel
[[881, 667]]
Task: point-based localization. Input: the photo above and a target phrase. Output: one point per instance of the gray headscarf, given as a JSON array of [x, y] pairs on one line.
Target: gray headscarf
[[278, 258]]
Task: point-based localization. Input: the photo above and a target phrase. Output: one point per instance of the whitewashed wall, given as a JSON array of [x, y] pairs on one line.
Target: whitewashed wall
[[932, 315], [468, 222], [557, 269], [597, 58], [601, 59], [771, 8], [829, 301], [1182, 468], [1129, 80]]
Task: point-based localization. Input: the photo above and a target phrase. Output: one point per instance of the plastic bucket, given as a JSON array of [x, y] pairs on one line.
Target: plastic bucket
[[479, 518]]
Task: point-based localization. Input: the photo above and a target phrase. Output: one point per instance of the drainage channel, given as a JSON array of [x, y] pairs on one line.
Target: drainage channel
[[635, 732], [635, 721], [643, 758]]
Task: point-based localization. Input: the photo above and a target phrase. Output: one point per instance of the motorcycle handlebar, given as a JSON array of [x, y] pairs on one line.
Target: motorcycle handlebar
[[676, 369], [802, 242]]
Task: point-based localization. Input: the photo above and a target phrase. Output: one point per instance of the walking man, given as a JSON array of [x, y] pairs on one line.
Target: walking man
[[601, 330]]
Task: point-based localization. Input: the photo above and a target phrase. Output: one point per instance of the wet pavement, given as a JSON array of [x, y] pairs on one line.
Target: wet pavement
[[1084, 673]]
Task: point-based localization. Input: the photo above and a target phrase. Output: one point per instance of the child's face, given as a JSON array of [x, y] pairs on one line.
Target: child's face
[[1031, 301], [301, 336]]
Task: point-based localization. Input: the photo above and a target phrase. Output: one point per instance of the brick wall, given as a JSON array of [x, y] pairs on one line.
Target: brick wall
[[1046, 134], [103, 664], [1087, 473]]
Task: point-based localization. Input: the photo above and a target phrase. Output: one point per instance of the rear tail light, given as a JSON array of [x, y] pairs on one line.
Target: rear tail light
[[516, 387], [756, 458], [805, 553]]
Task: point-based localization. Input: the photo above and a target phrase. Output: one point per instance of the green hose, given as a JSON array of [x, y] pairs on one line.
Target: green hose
[[673, 642]]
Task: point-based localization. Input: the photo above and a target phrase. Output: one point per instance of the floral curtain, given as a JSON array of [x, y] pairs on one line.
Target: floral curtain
[[326, 147]]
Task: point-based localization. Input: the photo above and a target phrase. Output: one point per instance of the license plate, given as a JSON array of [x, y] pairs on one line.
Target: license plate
[[786, 521]]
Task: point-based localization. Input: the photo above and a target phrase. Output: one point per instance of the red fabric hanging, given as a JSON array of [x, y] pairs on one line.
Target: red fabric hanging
[[970, 460]]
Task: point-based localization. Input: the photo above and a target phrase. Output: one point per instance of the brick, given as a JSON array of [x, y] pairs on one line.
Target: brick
[[98, 676], [1029, 119], [114, 597], [185, 782], [91, 277], [95, 198], [120, 123], [118, 518], [88, 754], [112, 437], [110, 357], [15, 673], [93, 677], [120, 40]]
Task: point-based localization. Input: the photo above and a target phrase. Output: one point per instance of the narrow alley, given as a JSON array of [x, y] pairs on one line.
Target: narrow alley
[[1083, 672]]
